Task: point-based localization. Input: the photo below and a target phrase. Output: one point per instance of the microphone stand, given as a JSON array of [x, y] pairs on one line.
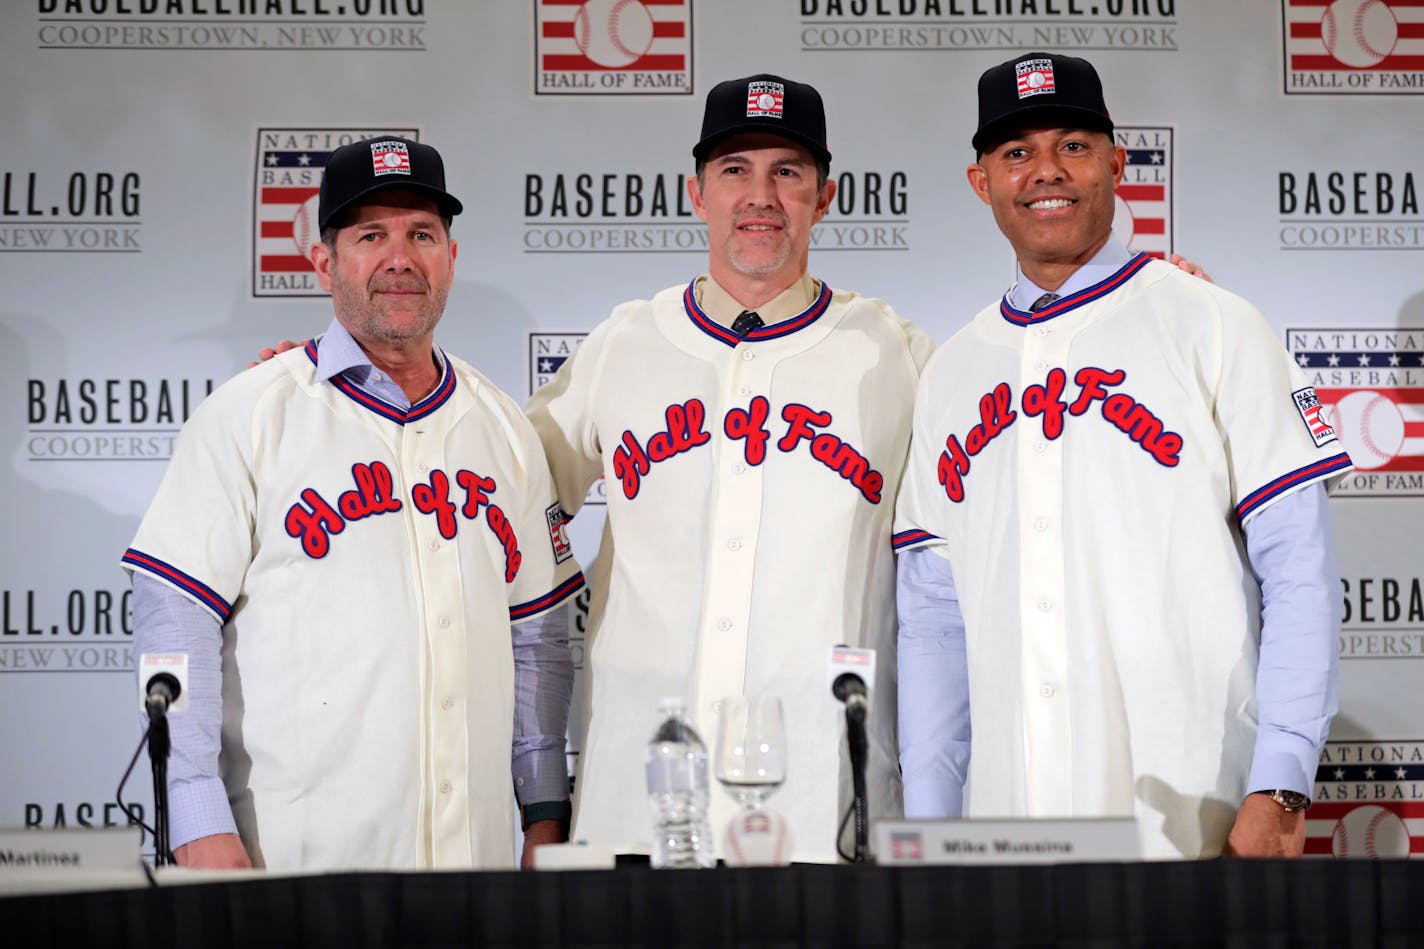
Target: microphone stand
[[158, 747], [855, 738]]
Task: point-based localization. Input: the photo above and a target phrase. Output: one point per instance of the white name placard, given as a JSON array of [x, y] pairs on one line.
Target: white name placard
[[1071, 840], [79, 848]]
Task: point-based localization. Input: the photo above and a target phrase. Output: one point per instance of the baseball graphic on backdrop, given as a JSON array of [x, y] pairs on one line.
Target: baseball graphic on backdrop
[[613, 33], [304, 229], [1370, 831], [1359, 33], [1370, 426]]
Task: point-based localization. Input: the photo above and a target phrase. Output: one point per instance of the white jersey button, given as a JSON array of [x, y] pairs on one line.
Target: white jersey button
[[724, 624], [739, 468], [444, 787], [716, 708], [445, 622], [1043, 331], [447, 704], [1046, 691], [1040, 365], [1045, 605], [748, 355], [744, 390], [1040, 524], [1040, 447], [434, 545], [734, 544]]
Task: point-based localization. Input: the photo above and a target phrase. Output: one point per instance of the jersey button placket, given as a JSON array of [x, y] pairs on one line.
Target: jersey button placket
[[1043, 605], [735, 516]]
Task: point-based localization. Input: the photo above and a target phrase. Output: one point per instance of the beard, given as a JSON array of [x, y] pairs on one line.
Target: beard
[[368, 314], [765, 257]]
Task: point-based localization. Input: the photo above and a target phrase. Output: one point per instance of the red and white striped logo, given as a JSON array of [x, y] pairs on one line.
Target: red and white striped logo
[[765, 99], [1035, 77], [1353, 47], [389, 158]]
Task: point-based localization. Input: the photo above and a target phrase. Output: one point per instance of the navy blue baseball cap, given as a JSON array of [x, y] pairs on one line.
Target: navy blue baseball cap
[[1035, 87], [356, 171]]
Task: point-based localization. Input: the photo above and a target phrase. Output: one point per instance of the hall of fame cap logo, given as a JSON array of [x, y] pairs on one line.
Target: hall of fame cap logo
[[1370, 387], [613, 47], [1035, 77], [287, 174], [765, 99], [1353, 47], [1368, 801], [1142, 214], [390, 158]]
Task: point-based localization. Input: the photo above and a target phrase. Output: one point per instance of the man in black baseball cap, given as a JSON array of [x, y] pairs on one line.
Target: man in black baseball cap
[[369, 419], [1129, 558], [760, 359], [360, 169], [1039, 87]]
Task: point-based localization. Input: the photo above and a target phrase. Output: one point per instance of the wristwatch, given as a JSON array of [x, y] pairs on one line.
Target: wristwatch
[[1291, 800]]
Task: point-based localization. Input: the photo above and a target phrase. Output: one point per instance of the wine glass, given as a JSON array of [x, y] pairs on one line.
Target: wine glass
[[751, 748]]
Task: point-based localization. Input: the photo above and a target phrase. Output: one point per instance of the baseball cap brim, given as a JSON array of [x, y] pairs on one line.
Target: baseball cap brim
[[704, 148], [448, 204], [1066, 116]]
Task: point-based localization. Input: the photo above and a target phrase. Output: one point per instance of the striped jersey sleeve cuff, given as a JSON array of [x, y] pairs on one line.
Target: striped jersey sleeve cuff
[[205, 595], [911, 538], [549, 600], [1253, 502]]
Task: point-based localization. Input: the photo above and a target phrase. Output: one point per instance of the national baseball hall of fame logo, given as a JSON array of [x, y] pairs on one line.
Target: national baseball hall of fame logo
[[1368, 801], [1353, 47], [1370, 383], [287, 174], [613, 47], [1143, 216]]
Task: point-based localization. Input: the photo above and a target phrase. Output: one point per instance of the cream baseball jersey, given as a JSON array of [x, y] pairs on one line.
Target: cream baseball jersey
[[750, 491], [1087, 470], [366, 563]]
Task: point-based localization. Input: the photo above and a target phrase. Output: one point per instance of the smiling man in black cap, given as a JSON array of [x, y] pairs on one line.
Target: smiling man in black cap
[[357, 546], [1123, 475], [751, 425]]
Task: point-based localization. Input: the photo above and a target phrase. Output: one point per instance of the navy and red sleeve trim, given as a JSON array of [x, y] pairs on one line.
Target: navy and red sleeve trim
[[562, 592], [204, 594], [911, 538], [1289, 482]]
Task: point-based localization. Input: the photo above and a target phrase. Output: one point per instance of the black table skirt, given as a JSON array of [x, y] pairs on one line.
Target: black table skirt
[[1253, 904]]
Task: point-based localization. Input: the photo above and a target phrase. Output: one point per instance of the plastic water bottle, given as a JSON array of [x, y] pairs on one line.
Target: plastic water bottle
[[677, 791]]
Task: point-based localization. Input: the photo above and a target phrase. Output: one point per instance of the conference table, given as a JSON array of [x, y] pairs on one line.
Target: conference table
[[1312, 902]]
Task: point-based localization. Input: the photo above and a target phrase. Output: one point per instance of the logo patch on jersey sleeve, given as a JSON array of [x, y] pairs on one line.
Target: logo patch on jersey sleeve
[[558, 533], [1308, 404]]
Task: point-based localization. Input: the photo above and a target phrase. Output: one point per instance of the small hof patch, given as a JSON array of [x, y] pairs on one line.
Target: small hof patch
[[1035, 77], [1308, 404], [389, 158], [765, 99], [558, 534]]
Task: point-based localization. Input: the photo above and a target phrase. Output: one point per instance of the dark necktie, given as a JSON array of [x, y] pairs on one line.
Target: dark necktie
[[1042, 302], [745, 322]]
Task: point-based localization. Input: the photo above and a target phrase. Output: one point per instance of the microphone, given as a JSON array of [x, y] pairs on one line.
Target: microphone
[[163, 683], [850, 689], [161, 691]]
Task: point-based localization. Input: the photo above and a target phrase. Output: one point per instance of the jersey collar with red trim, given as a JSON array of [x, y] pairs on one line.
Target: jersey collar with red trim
[[1074, 300], [381, 407], [772, 331]]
